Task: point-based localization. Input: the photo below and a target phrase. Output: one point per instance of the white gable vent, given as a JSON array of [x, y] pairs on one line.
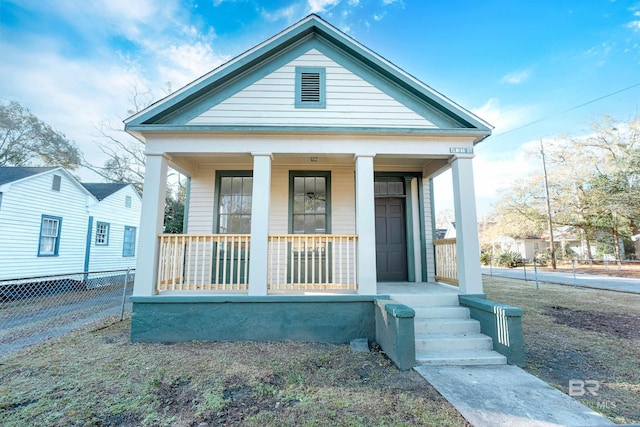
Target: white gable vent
[[310, 88]]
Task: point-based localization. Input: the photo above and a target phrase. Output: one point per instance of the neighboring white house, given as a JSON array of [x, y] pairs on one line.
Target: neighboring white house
[[49, 223]]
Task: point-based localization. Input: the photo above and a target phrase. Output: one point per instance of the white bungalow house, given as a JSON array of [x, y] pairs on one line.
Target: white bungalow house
[[50, 223], [310, 161]]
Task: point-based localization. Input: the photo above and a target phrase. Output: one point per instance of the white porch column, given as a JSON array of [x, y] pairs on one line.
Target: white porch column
[[258, 267], [366, 225], [151, 224], [467, 244]]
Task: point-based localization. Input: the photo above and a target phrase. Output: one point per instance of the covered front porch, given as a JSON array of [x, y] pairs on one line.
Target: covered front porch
[[298, 224]]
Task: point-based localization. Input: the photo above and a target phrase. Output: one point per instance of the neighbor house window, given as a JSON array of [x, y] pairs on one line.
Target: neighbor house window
[[49, 235], [102, 234], [310, 88], [234, 202], [129, 245], [310, 202], [57, 180], [127, 202]]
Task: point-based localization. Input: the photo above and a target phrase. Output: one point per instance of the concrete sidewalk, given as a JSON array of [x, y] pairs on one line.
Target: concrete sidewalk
[[506, 395]]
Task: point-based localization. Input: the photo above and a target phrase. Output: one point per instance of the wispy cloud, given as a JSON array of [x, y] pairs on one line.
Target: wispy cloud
[[318, 6], [517, 77], [634, 25]]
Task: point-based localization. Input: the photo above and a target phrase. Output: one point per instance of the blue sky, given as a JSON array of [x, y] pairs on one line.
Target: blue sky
[[526, 67]]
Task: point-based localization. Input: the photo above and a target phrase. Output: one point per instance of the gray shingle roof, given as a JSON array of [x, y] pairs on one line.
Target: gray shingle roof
[[10, 174], [102, 190]]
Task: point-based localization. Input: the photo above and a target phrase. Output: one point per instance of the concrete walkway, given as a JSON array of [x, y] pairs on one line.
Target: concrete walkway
[[507, 396]]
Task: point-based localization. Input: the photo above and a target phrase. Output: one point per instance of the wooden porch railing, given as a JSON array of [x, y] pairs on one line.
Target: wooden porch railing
[[203, 262], [312, 262], [446, 261]]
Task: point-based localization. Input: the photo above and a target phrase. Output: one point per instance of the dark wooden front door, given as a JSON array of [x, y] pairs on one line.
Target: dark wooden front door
[[391, 242]]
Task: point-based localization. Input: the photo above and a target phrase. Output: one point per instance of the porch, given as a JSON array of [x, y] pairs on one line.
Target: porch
[[297, 264]]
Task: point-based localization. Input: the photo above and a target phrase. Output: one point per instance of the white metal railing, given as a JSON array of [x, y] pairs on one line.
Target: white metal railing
[[446, 261], [203, 262], [312, 262]]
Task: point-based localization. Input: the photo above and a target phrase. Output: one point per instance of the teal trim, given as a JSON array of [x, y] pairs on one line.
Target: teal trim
[[129, 241], [501, 322], [322, 101], [187, 200], [57, 241], [423, 233], [309, 29], [87, 248], [216, 195], [411, 257], [185, 298], [323, 174], [433, 218]]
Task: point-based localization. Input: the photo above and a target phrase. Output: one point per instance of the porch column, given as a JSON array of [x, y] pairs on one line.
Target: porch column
[[366, 225], [151, 224], [261, 193], [467, 244]]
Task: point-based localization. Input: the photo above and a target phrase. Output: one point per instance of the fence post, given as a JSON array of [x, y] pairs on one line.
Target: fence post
[[524, 266], [535, 270], [573, 266], [124, 294]]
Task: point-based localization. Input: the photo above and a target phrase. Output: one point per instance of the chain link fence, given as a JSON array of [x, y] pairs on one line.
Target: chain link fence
[[35, 309]]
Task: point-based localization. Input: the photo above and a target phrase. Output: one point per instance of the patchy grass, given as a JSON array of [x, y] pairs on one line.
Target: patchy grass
[[97, 377], [580, 334]]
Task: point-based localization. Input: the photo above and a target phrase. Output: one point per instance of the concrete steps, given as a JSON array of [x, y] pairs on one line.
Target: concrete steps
[[445, 334]]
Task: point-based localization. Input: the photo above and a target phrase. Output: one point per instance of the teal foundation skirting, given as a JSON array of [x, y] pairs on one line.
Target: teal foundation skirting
[[501, 322], [336, 319]]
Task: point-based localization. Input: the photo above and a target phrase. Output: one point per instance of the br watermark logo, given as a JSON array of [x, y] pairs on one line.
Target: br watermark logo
[[579, 388]]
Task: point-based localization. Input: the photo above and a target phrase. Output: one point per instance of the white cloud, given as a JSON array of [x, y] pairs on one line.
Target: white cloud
[[289, 14], [517, 77], [634, 25], [504, 118], [317, 6], [387, 2]]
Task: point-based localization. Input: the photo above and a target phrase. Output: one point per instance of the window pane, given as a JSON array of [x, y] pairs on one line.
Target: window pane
[[246, 205], [309, 224], [245, 224], [247, 185], [236, 185], [298, 186], [320, 224], [225, 185], [298, 224]]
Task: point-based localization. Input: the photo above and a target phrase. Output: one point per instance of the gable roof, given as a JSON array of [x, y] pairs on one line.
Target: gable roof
[[102, 190], [15, 173], [161, 115]]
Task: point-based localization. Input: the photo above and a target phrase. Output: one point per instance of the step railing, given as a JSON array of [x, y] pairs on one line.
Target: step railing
[[203, 262], [312, 262], [446, 261]]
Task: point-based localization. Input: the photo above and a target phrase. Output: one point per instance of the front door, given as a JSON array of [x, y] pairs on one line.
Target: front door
[[391, 242]]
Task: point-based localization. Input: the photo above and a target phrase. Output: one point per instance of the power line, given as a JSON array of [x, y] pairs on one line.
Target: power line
[[563, 111]]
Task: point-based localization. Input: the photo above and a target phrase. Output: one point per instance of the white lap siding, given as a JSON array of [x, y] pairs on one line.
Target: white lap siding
[[23, 205]]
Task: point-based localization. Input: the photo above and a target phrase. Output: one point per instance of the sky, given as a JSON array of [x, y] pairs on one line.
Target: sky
[[535, 70]]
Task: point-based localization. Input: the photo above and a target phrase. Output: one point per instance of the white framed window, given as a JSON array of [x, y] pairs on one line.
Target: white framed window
[[127, 202], [102, 233], [49, 236]]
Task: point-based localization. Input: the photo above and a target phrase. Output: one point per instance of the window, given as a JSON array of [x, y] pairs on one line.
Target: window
[[129, 245], [102, 233], [57, 180], [310, 201], [234, 202], [49, 236], [310, 88], [127, 202], [0, 199]]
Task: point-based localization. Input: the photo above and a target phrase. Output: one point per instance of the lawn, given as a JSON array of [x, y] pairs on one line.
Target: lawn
[[97, 377], [580, 334]]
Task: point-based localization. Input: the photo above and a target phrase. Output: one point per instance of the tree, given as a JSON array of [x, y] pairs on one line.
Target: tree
[[25, 140]]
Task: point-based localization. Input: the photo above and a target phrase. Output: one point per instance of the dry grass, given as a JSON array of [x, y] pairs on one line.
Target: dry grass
[[580, 334], [97, 377]]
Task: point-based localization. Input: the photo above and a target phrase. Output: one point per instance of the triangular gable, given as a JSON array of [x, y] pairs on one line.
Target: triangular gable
[[30, 172], [182, 109]]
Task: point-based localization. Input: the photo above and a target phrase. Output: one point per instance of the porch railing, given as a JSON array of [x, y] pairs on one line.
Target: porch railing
[[312, 262], [203, 262], [446, 261]]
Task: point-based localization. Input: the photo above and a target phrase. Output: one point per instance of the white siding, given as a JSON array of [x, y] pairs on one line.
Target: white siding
[[23, 205], [112, 210], [350, 101]]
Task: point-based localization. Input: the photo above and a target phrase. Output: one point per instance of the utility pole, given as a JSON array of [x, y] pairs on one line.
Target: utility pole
[[549, 222]]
